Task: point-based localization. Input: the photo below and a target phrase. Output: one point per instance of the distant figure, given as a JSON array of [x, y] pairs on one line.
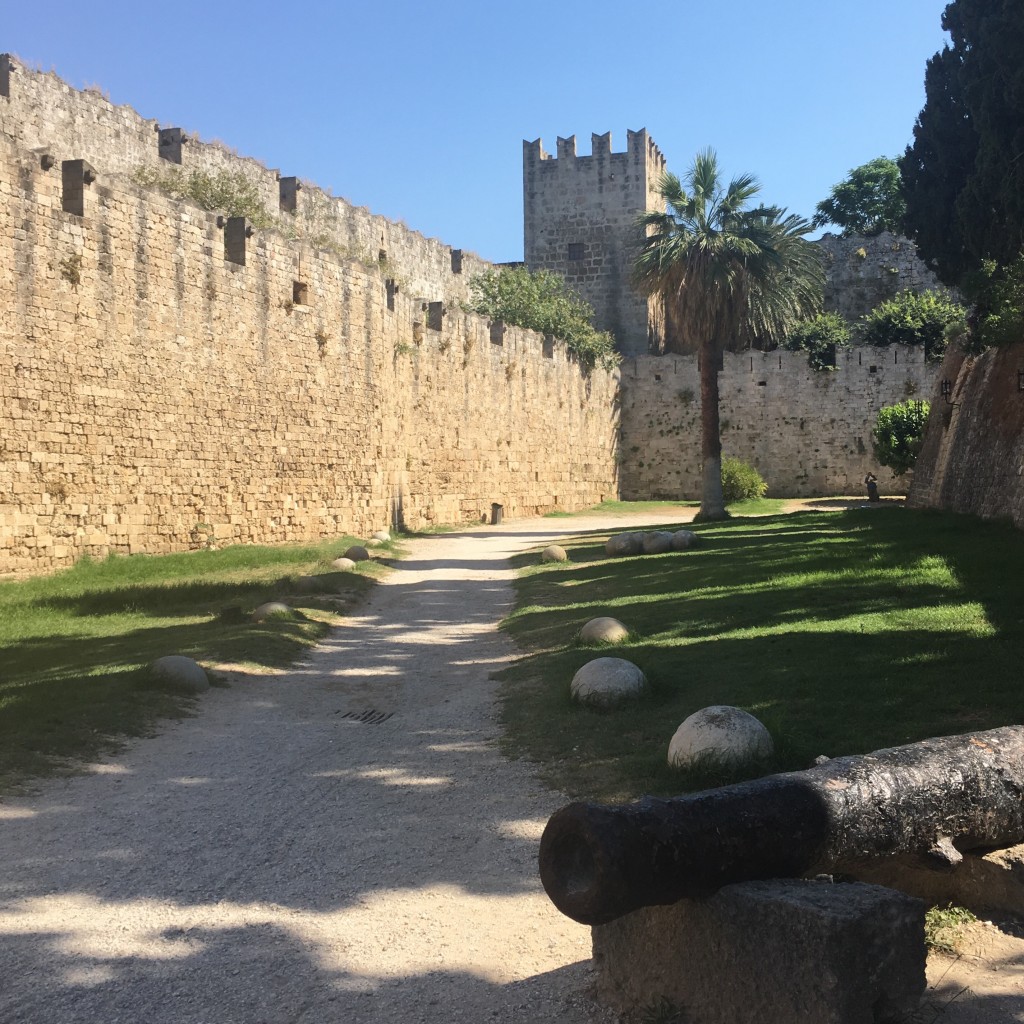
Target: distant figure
[[872, 485]]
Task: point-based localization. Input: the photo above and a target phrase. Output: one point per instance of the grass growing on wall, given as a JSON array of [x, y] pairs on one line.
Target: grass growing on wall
[[843, 632], [74, 647]]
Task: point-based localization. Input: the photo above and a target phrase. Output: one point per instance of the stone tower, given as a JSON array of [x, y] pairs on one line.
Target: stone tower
[[579, 215]]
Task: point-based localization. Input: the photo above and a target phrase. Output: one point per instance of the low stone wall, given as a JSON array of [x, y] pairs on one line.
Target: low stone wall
[[973, 459], [807, 431]]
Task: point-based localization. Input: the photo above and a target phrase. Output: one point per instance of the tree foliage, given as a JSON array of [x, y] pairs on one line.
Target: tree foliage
[[868, 202], [915, 318], [963, 175], [727, 271], [898, 435], [998, 316], [541, 301], [820, 337]]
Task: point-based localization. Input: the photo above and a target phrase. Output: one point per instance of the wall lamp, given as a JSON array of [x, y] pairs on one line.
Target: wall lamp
[[946, 389]]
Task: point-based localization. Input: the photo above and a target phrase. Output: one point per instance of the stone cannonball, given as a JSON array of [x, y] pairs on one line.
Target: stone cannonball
[[343, 563], [683, 539], [622, 544], [270, 610], [603, 630], [606, 682], [357, 553], [719, 733], [657, 542], [180, 671], [554, 553], [383, 536]]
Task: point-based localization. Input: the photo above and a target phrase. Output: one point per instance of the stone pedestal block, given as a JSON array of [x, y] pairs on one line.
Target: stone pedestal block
[[774, 952]]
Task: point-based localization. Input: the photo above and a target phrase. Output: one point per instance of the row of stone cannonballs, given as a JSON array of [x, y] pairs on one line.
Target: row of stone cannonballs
[[187, 674], [719, 733], [635, 542]]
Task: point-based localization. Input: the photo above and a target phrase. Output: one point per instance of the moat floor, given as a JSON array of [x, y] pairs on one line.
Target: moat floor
[[342, 842]]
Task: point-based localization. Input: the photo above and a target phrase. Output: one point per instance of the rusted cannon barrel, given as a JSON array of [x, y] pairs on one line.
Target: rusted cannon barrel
[[933, 799]]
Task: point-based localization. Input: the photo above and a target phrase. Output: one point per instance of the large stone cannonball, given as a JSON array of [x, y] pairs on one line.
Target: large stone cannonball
[[382, 535], [622, 544], [603, 630], [657, 542], [606, 682], [357, 553], [721, 734], [554, 553], [180, 671], [343, 563], [683, 539], [271, 610]]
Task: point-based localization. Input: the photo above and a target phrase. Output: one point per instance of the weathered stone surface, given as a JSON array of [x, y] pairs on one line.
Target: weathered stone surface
[[720, 733], [357, 553], [271, 610], [180, 671], [657, 542], [776, 952], [343, 563], [606, 682], [776, 406], [603, 630], [986, 883], [554, 553], [178, 346], [683, 540], [624, 544]]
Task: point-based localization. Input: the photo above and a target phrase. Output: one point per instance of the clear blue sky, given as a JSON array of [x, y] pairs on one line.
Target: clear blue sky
[[418, 110]]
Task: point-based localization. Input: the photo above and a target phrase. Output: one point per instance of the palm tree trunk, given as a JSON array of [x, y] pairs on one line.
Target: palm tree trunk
[[712, 503]]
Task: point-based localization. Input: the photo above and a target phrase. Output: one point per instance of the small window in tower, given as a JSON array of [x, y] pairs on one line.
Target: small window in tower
[[300, 293], [575, 250]]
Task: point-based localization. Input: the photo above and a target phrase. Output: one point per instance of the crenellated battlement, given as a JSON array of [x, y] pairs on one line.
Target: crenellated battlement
[[639, 145], [41, 112]]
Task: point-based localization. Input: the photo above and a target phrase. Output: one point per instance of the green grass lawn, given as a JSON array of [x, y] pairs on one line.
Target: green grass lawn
[[843, 632], [74, 646]]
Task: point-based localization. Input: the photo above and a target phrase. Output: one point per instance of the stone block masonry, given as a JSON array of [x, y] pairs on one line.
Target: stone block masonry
[[40, 113], [580, 217], [972, 460], [807, 431], [156, 394]]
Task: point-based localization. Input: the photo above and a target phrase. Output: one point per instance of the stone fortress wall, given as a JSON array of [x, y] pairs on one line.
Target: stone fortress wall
[[972, 460], [168, 378], [862, 272], [808, 432]]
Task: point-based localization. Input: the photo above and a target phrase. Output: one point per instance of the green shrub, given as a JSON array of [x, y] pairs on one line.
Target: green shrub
[[542, 301], [913, 318], [741, 481], [898, 434], [820, 337]]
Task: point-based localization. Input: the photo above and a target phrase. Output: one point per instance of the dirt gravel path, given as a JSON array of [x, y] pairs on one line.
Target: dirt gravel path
[[275, 859], [342, 842]]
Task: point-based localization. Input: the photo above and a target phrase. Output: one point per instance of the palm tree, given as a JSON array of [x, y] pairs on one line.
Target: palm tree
[[728, 274]]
